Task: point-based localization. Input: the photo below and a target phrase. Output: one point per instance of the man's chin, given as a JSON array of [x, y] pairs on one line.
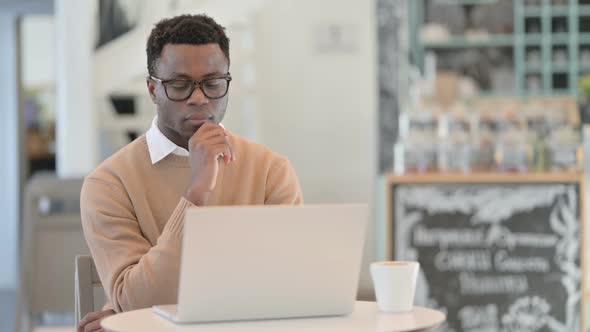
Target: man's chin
[[190, 130]]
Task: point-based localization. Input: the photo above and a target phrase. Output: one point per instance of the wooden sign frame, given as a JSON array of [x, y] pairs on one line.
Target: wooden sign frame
[[495, 178]]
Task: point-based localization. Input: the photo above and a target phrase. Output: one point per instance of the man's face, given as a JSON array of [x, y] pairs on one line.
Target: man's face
[[179, 120]]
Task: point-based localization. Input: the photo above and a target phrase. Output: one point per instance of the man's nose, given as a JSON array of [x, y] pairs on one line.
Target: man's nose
[[198, 97]]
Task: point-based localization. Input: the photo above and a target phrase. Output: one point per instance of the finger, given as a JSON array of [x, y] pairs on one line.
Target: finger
[[88, 318], [203, 130], [227, 152], [233, 153], [215, 140], [213, 132], [210, 129], [199, 143], [205, 137], [92, 326], [227, 155], [207, 126], [221, 150], [221, 140], [230, 153]]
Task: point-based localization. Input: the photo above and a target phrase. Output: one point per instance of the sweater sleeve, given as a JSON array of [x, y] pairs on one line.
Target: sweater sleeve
[[282, 185], [134, 273]]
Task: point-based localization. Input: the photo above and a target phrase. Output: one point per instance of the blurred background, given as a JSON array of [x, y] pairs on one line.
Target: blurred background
[[355, 93]]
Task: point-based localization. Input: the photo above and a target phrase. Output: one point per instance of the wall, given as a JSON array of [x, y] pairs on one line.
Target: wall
[[10, 171], [319, 108], [38, 44]]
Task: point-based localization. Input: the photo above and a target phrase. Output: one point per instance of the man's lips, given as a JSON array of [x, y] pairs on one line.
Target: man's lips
[[198, 119]]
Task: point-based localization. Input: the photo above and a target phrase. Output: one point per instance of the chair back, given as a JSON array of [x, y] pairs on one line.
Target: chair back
[[85, 281]]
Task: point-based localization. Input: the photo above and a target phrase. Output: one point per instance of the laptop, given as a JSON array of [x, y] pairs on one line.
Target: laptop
[[268, 262]]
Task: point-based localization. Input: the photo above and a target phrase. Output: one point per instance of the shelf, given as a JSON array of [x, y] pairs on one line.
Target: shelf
[[560, 69], [465, 2], [476, 41], [554, 68], [560, 38], [498, 40], [559, 10], [545, 45], [533, 39], [584, 38], [532, 11], [584, 10], [494, 94], [534, 69], [561, 92], [556, 177]]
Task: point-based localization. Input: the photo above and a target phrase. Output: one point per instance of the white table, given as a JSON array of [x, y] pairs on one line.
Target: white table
[[366, 317]]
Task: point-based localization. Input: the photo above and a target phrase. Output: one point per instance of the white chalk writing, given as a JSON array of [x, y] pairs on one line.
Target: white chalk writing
[[467, 237], [505, 263], [489, 205], [462, 260], [471, 284], [479, 318], [503, 237]]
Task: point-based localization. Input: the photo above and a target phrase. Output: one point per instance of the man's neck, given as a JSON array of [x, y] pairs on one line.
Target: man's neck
[[173, 137]]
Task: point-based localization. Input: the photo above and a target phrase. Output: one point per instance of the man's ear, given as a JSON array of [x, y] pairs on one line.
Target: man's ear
[[151, 89]]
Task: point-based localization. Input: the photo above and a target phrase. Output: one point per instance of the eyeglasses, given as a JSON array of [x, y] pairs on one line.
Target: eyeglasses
[[180, 89]]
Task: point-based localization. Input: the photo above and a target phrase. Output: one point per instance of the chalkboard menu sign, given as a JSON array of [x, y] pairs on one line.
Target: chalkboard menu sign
[[493, 256]]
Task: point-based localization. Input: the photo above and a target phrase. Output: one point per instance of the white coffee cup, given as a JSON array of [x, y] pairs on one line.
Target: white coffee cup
[[395, 284]]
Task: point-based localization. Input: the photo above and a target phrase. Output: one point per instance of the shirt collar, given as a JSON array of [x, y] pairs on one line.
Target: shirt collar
[[159, 146]]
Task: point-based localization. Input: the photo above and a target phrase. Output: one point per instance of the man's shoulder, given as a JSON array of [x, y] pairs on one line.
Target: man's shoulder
[[128, 158]]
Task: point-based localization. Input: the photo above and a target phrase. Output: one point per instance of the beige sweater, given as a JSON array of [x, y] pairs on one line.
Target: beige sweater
[[132, 214]]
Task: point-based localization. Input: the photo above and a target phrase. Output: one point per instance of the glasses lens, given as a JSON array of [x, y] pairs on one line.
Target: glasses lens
[[178, 90], [215, 87]]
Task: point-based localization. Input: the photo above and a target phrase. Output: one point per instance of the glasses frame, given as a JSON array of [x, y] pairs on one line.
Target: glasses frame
[[194, 85]]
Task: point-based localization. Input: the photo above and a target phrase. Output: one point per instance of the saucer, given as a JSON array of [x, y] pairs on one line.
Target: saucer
[[419, 318]]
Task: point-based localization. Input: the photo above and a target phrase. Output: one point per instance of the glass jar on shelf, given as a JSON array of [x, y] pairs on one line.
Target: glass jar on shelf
[[564, 147], [555, 118], [512, 150], [454, 147], [536, 132], [415, 154], [454, 156], [415, 151], [512, 153], [422, 122], [483, 139]]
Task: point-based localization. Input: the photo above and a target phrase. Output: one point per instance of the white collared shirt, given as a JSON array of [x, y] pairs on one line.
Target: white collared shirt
[[159, 146]]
